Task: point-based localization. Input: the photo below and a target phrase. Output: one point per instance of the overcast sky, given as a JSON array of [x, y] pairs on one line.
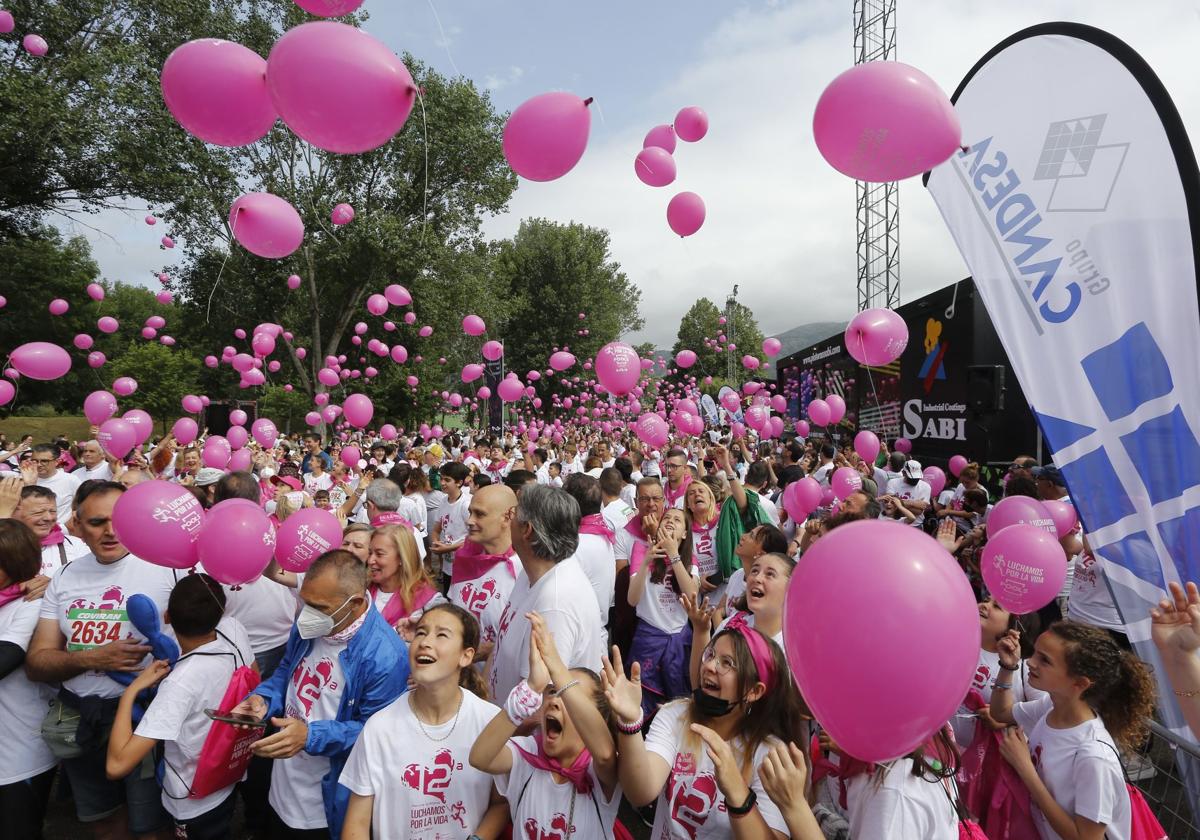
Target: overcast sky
[[781, 222]]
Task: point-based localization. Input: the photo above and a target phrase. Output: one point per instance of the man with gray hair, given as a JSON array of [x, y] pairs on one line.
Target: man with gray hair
[[384, 504], [545, 536], [93, 463]]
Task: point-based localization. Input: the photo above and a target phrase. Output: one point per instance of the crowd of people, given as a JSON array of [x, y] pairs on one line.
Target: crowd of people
[[520, 634]]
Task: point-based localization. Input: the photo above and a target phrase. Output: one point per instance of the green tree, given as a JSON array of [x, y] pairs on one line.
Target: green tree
[[702, 323], [163, 374]]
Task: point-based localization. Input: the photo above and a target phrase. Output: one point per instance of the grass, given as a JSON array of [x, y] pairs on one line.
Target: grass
[[45, 428]]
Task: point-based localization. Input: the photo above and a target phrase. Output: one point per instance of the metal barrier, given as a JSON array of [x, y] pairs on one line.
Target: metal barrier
[[1158, 775]]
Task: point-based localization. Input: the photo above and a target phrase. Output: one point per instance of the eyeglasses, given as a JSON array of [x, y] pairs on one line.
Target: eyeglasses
[[45, 460], [675, 466], [650, 499], [724, 665]]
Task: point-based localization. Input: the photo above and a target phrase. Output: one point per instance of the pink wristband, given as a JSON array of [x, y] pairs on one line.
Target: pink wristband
[[522, 703]]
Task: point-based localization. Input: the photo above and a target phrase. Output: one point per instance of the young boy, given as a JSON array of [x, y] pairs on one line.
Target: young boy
[[451, 528], [556, 475], [176, 715]]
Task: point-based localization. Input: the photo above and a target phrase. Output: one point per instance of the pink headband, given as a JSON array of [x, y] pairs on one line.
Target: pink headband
[[760, 653]]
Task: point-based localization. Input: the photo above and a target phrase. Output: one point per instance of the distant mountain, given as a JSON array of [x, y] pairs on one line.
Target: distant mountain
[[797, 338]]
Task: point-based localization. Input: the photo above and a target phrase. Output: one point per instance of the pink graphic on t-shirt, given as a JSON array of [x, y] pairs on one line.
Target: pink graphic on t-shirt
[[110, 600], [432, 781], [981, 676], [310, 683], [476, 600], [692, 803], [559, 829], [458, 812]]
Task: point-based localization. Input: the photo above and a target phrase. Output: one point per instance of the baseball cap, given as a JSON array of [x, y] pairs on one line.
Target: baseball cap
[[1051, 473], [207, 476], [287, 480], [912, 469]]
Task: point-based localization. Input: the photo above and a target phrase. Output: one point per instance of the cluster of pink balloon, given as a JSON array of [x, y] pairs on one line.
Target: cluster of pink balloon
[[655, 166], [32, 43]]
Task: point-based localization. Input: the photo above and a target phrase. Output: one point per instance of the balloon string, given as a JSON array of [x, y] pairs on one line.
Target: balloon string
[[425, 197], [233, 238], [445, 40], [879, 411]]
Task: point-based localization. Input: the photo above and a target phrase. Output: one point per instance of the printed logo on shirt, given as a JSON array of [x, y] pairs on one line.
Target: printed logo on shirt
[[475, 600], [981, 677], [110, 600], [559, 829], [432, 781], [1037, 756], [92, 623], [692, 800], [309, 682], [506, 618]]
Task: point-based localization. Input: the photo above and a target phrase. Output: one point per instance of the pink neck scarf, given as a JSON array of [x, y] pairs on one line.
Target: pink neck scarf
[[394, 611], [577, 774], [10, 594], [675, 495], [55, 537], [470, 562], [634, 526], [595, 524], [391, 517]]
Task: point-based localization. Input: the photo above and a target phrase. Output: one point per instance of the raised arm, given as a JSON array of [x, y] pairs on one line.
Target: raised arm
[[1009, 650], [642, 773]]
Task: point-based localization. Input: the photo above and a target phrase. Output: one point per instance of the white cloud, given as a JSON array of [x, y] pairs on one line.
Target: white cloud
[[493, 82]]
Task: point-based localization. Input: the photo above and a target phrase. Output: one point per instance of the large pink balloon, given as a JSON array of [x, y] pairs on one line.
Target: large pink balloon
[[654, 166], [216, 452], [142, 423], [237, 437], [844, 481], [7, 392], [217, 90], [691, 124], [800, 498], [652, 430], [1064, 516], [236, 542], [471, 372], [7, 24], [801, 428], [547, 135], [339, 88], [492, 350], [343, 214], [561, 360], [866, 444], [264, 432], [1020, 510], [902, 445], [757, 417], [510, 389], [818, 412], [350, 456], [935, 478], [359, 410], [185, 431], [918, 599], [159, 522], [35, 45], [397, 295], [957, 462], [685, 213], [117, 437], [40, 360], [618, 368], [837, 408], [266, 225], [876, 337], [306, 535], [1024, 567], [125, 385], [329, 8], [884, 121], [685, 359], [662, 136], [771, 347], [474, 325], [98, 406]]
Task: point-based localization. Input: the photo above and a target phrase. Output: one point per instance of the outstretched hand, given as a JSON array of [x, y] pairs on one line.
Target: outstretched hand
[[1175, 623], [624, 693]]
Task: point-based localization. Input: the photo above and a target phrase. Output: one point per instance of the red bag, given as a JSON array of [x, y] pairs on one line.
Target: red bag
[[226, 751], [1143, 824]]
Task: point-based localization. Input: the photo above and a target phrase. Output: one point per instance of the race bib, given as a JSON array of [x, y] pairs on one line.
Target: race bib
[[92, 628]]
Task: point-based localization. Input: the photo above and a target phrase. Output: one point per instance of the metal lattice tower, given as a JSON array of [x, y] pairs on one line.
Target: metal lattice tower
[[730, 362], [878, 204]]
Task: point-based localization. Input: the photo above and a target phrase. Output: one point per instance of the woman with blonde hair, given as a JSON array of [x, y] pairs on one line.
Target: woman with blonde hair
[[400, 585]]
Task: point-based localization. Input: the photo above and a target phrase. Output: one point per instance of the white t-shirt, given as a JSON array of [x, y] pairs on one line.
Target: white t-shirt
[[919, 492], [617, 514], [823, 473], [176, 717], [87, 599], [22, 703], [420, 513], [314, 693], [312, 483], [769, 507], [1080, 768], [434, 500], [485, 597], [1090, 601], [563, 597], [453, 518], [659, 605], [542, 809], [625, 541], [52, 555], [629, 494], [900, 806], [266, 609], [423, 784], [596, 557], [986, 672], [101, 472], [64, 485], [691, 807]]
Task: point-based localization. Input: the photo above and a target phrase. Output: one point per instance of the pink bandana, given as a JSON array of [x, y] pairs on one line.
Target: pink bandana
[[595, 524], [577, 774], [391, 517], [55, 537], [10, 594], [394, 612], [764, 662], [634, 526], [470, 562], [673, 496]]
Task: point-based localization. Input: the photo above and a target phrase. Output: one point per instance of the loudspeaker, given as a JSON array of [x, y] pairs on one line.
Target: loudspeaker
[[985, 388]]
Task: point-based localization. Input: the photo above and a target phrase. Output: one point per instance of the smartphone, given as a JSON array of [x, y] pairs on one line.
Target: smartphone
[[236, 720]]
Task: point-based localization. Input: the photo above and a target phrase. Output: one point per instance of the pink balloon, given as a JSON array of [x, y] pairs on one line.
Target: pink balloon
[[107, 324], [150, 220], [217, 90], [359, 410], [399, 354], [149, 333], [350, 456], [83, 341], [397, 295], [425, 331], [306, 535], [117, 437], [876, 337], [885, 121], [7, 24], [837, 408], [236, 542], [329, 8], [936, 479], [484, 393], [1023, 567], [216, 452], [561, 360], [731, 402], [125, 385], [685, 359], [237, 437], [618, 368], [95, 291], [547, 135], [167, 242], [819, 412], [343, 214], [96, 359], [263, 344], [844, 481], [241, 460], [1064, 516], [772, 347], [802, 497], [35, 45], [40, 360], [7, 392], [867, 445], [142, 424], [264, 432], [750, 362], [510, 389], [685, 213], [58, 306], [312, 418], [654, 166], [388, 432], [652, 430], [774, 427], [266, 225], [691, 124], [474, 325], [957, 462], [1020, 510], [98, 406], [920, 600], [410, 317], [328, 377], [801, 428], [902, 445], [159, 522], [662, 136], [377, 304], [339, 88], [192, 404], [164, 297], [185, 431], [757, 417], [293, 281], [492, 350]]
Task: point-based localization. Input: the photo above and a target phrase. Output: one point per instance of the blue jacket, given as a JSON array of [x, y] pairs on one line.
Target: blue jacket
[[375, 672]]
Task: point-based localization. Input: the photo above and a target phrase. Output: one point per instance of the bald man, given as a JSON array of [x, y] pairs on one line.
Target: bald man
[[485, 568]]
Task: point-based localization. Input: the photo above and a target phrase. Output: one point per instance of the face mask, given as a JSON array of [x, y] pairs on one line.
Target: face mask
[[312, 623], [710, 706]]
